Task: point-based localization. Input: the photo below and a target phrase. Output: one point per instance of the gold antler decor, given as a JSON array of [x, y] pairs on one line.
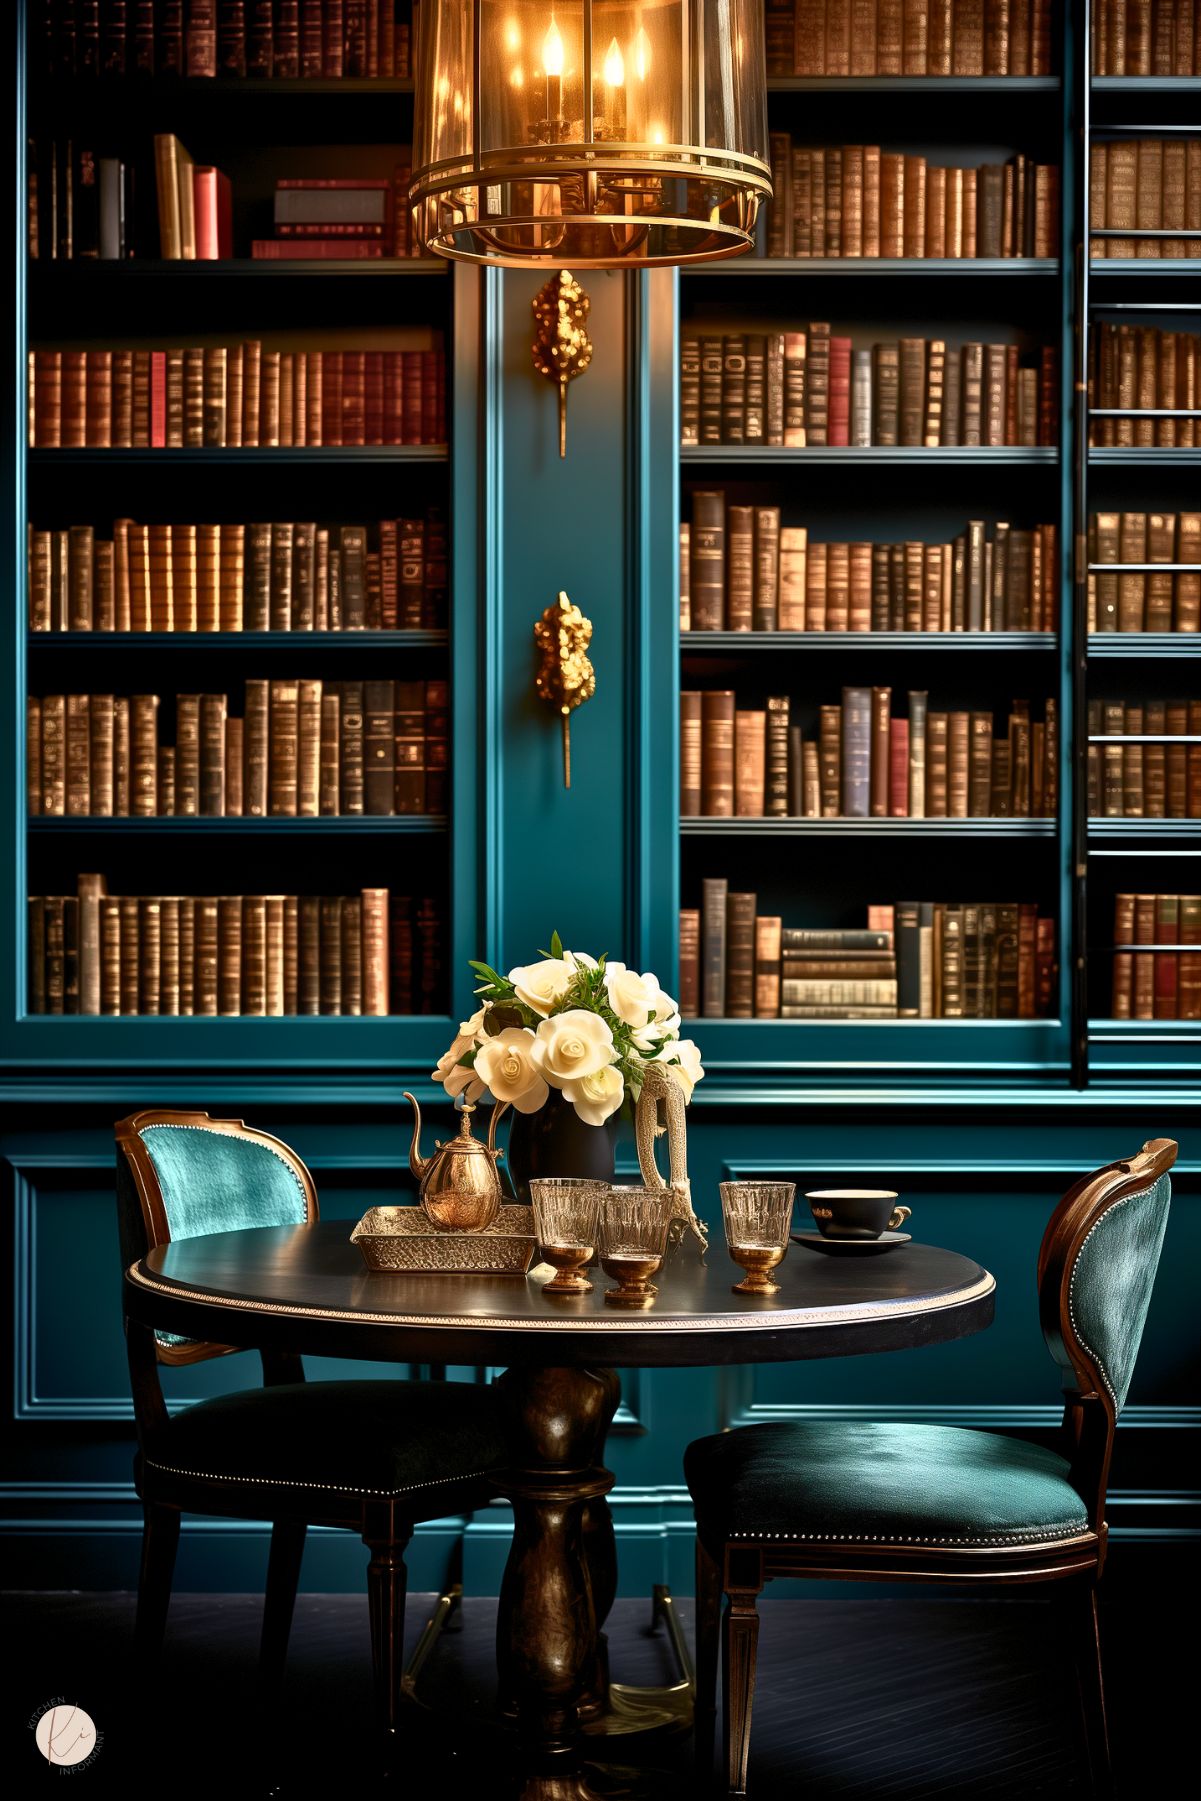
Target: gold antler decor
[[565, 678], [562, 348]]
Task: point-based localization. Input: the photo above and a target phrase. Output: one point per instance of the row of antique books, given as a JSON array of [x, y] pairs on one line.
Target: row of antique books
[[1137, 368], [1144, 780], [1141, 600], [237, 395], [914, 960], [300, 749], [1145, 184], [755, 762], [1162, 983], [799, 388], [368, 953], [909, 37], [741, 571], [285, 39], [1145, 37], [280, 576], [860, 201]]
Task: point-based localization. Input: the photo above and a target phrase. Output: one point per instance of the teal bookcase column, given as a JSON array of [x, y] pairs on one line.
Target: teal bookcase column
[[575, 860]]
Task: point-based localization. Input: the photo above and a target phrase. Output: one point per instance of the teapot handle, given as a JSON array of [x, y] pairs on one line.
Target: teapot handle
[[499, 1109]]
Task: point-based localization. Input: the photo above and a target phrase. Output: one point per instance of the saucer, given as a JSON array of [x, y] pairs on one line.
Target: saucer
[[860, 1247]]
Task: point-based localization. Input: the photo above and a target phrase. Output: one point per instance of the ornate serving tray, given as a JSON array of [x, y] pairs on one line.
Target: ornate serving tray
[[393, 1238]]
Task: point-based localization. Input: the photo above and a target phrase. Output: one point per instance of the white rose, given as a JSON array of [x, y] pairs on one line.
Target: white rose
[[579, 960], [506, 1063], [632, 997], [686, 1067], [596, 1096], [471, 1028], [458, 1081], [573, 1045], [541, 986], [656, 1034]]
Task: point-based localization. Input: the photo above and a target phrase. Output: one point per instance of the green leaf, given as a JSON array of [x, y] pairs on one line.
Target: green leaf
[[488, 973], [556, 945]]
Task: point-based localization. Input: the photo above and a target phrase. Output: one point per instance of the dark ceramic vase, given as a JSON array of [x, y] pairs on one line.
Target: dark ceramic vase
[[555, 1141]]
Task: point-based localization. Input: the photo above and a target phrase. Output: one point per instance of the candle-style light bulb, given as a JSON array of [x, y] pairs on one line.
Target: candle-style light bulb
[[552, 50], [615, 65]]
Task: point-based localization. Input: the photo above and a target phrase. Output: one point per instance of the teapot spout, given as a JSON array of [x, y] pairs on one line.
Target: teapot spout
[[417, 1163]]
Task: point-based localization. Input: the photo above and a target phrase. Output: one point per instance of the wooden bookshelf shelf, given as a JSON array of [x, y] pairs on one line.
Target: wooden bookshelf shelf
[[1014, 85], [318, 455], [853, 267], [69, 93], [705, 827], [286, 642], [884, 454], [338, 825], [90, 270], [1143, 644], [723, 643]]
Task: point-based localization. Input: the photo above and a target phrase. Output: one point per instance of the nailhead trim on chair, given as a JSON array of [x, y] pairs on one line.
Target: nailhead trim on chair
[[343, 1488], [1108, 1214], [175, 1125], [1066, 1529]]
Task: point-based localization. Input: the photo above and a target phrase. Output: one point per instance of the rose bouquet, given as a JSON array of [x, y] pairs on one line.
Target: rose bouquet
[[586, 1026]]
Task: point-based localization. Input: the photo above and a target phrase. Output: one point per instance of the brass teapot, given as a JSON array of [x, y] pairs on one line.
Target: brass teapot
[[459, 1186]]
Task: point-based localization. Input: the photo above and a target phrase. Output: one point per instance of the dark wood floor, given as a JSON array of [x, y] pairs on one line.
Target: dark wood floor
[[897, 1700]]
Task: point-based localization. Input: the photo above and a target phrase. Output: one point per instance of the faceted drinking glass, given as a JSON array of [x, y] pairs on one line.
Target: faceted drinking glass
[[565, 1216], [633, 1238], [758, 1218]]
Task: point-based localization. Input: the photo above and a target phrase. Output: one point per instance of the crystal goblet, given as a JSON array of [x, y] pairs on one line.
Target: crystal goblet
[[565, 1216], [757, 1217], [633, 1239]]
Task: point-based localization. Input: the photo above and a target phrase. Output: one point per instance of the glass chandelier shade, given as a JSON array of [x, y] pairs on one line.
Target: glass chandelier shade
[[587, 133]]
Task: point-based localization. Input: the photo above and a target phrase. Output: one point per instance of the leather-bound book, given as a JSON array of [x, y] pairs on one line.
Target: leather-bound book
[[328, 794], [936, 765], [372, 909], [733, 389], [740, 568], [767, 966], [379, 747], [208, 578], [409, 747], [714, 890], [994, 393], [1161, 540], [81, 561], [915, 27], [690, 961], [690, 754], [795, 389], [889, 37], [908, 954], [717, 753], [886, 391], [284, 747], [412, 572], [1188, 971], [353, 545], [853, 200], [110, 957], [143, 754], [309, 994], [436, 724], [690, 390], [168, 994], [1000, 804], [150, 951], [801, 186], [892, 204], [122, 761], [817, 396], [936, 357], [833, 204], [259, 598], [740, 956], [708, 553], [913, 237], [750, 763], [712, 359], [256, 747], [809, 44], [1167, 929], [830, 760], [856, 751], [776, 798], [840, 391], [213, 709], [187, 757], [918, 700], [308, 757], [235, 767], [914, 588], [304, 545], [765, 613], [254, 955], [838, 587], [1007, 960], [1155, 766], [321, 580], [881, 702], [980, 765], [282, 533], [331, 955], [755, 397], [230, 577], [861, 397], [931, 613], [352, 955], [78, 756], [773, 416], [794, 540], [1132, 588], [816, 586], [881, 586], [351, 773], [184, 591], [958, 765]]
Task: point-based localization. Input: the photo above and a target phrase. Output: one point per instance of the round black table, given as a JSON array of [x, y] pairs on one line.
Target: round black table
[[305, 1288]]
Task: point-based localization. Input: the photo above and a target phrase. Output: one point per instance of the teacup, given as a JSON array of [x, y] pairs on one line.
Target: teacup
[[856, 1212]]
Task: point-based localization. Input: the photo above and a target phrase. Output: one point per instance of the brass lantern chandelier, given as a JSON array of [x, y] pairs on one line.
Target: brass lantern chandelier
[[590, 133]]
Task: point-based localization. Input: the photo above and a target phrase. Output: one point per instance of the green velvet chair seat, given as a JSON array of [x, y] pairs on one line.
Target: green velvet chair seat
[[374, 1439], [886, 1484]]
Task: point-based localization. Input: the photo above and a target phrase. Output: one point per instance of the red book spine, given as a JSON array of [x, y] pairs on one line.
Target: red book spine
[[389, 567], [282, 250], [393, 397], [374, 397], [331, 400], [429, 396], [839, 416], [898, 768], [158, 399], [354, 396], [411, 410]]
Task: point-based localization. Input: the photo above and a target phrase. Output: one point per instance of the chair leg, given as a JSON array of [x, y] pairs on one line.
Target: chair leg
[[283, 1577], [708, 1633], [160, 1539], [1079, 1613], [739, 1648], [387, 1580]]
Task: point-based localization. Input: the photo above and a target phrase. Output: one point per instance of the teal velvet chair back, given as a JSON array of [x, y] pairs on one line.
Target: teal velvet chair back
[[1096, 1272], [180, 1175]]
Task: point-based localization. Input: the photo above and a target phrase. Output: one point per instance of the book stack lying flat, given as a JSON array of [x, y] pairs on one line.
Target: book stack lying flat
[[285, 576], [367, 953], [1140, 600], [808, 388], [1164, 983], [742, 570], [1144, 780], [1145, 184], [913, 960], [1145, 37], [339, 217], [1137, 368], [300, 750], [909, 37], [856, 200], [326, 39], [861, 763], [232, 396]]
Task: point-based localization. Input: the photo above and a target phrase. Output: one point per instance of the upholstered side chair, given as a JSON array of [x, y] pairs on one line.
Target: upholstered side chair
[[373, 1456], [941, 1504]]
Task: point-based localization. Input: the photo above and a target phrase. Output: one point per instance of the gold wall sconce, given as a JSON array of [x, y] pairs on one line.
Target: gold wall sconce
[[565, 678], [562, 348]]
